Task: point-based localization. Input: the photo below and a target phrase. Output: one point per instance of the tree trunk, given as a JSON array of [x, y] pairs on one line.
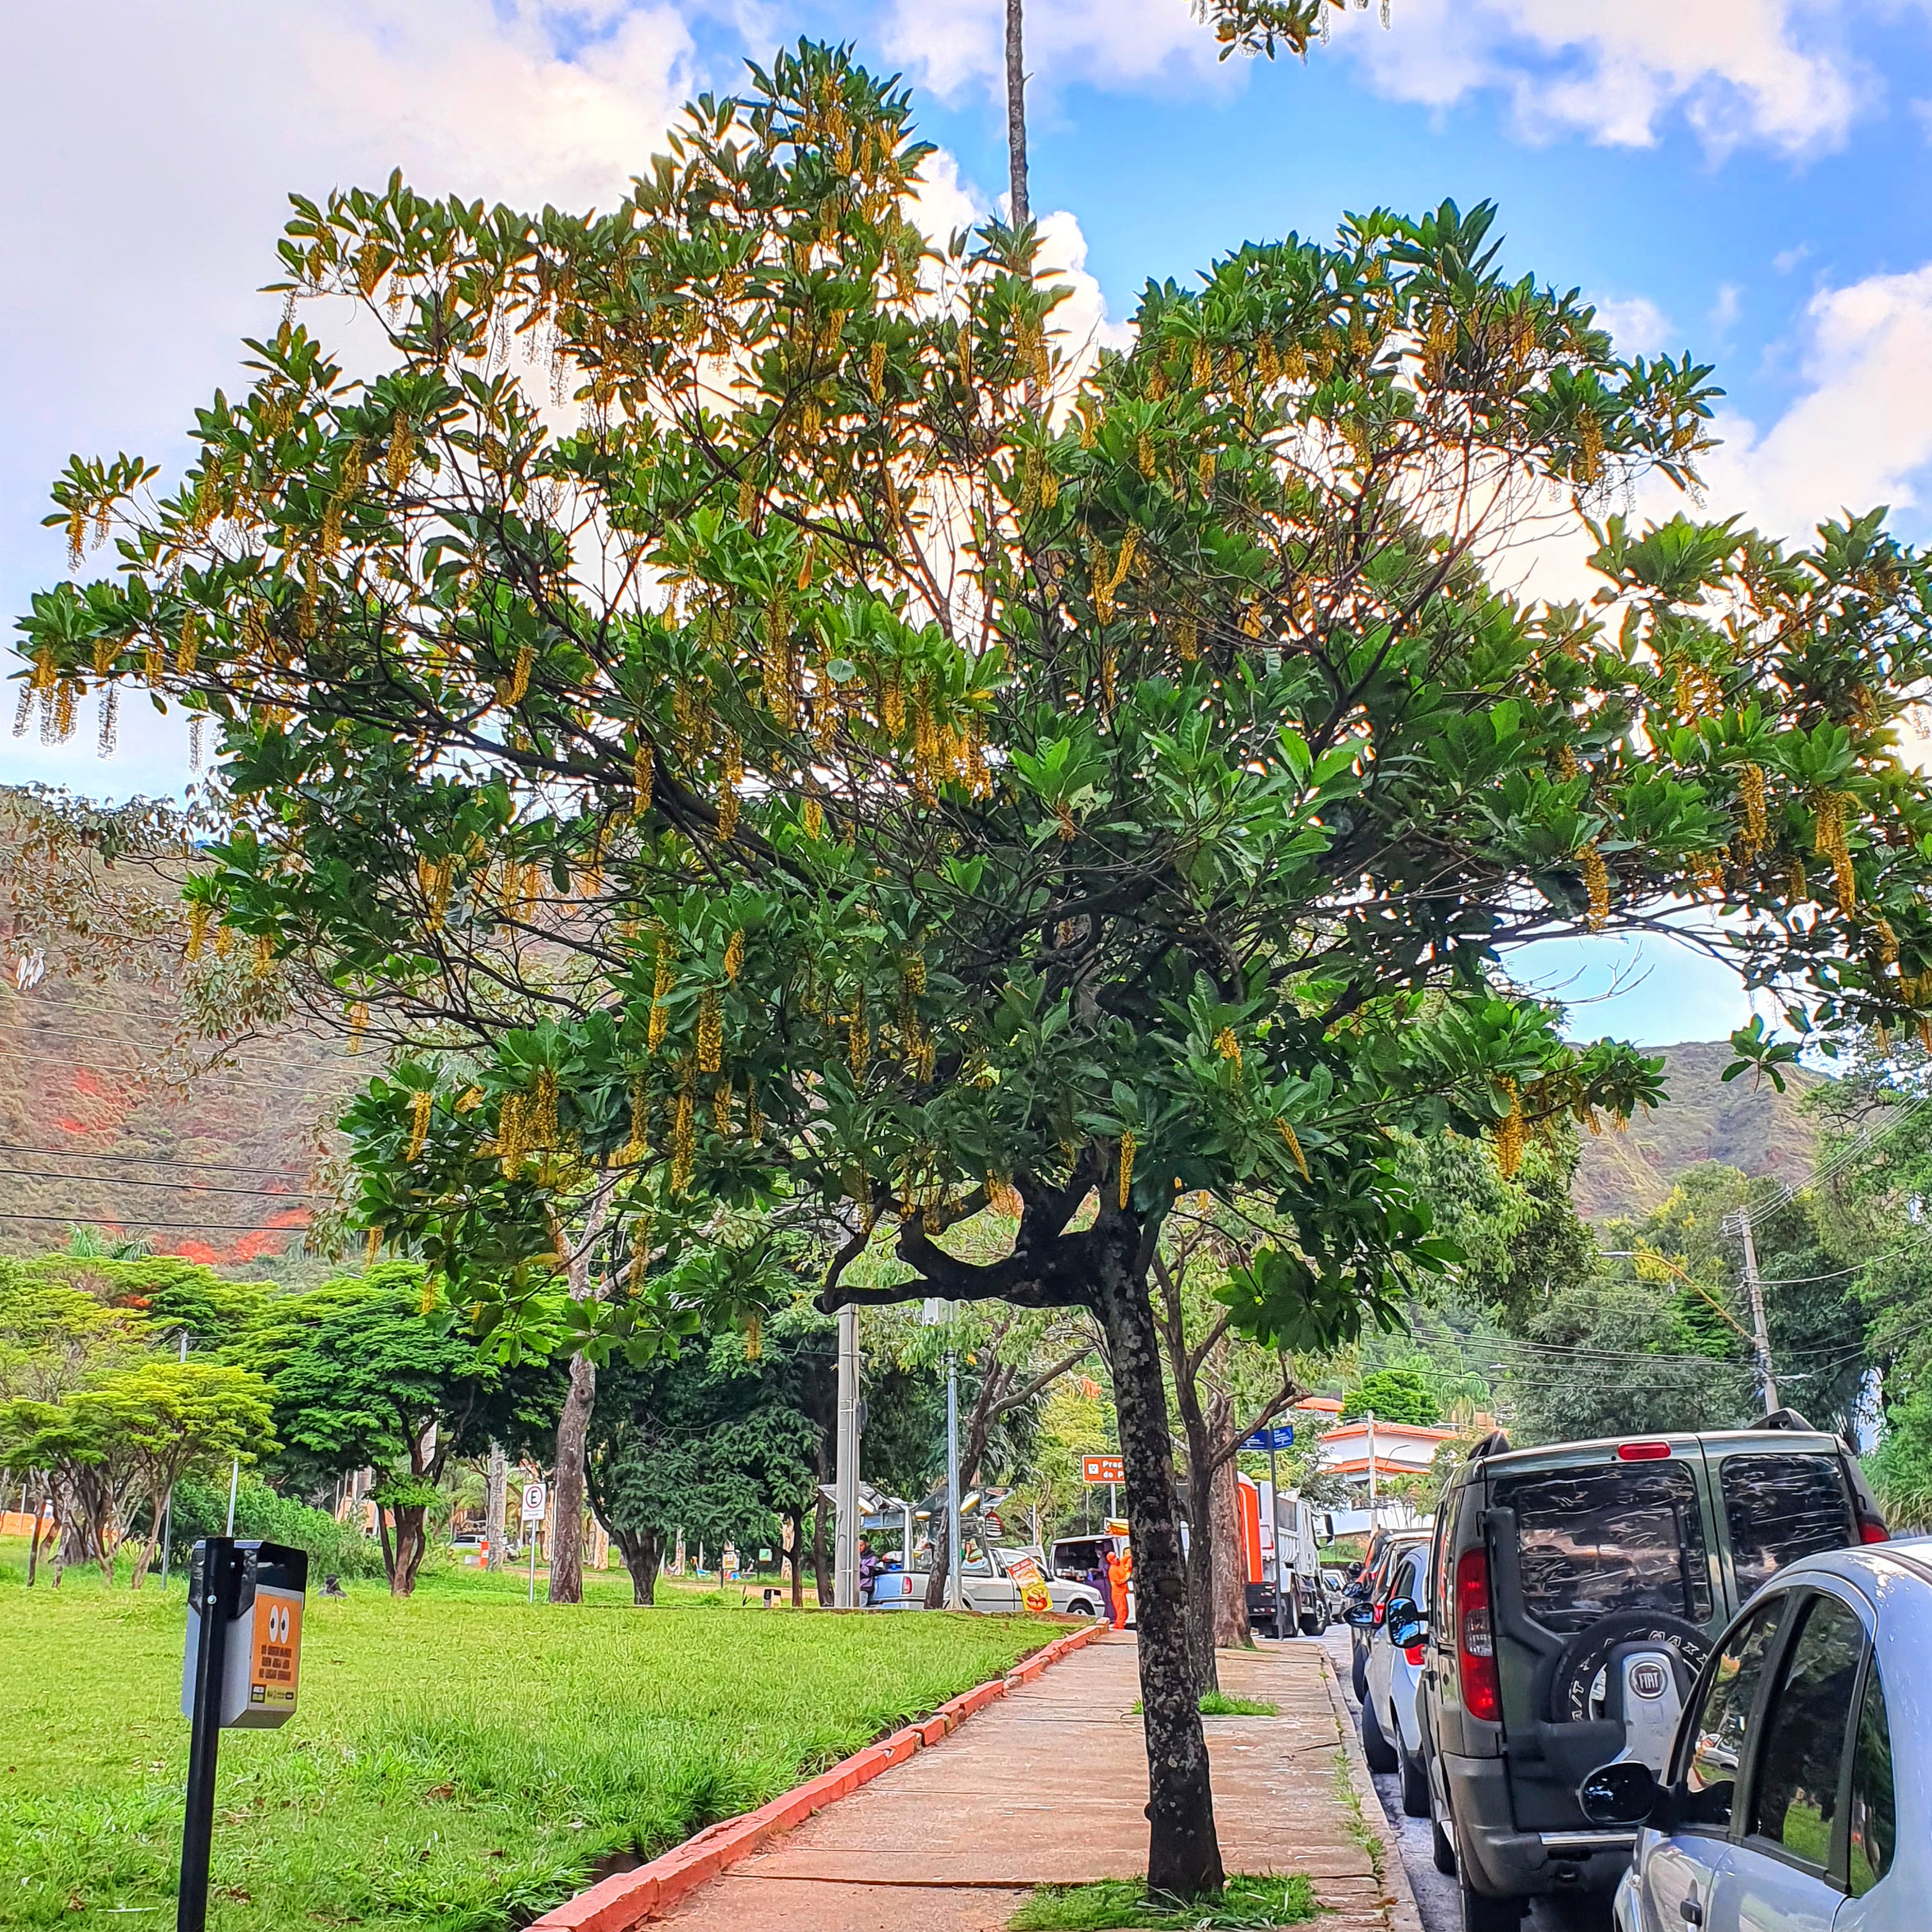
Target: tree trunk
[[412, 1543], [495, 1510], [33, 1548], [1016, 145], [794, 1529], [151, 1542], [942, 1550], [1201, 1563], [1184, 1853], [1226, 1603], [642, 1548], [821, 1567], [389, 1552], [573, 1428]]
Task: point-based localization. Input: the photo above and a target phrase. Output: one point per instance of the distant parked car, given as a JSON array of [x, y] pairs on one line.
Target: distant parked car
[[1576, 1591], [1798, 1794], [1367, 1594], [1391, 1725], [986, 1586]]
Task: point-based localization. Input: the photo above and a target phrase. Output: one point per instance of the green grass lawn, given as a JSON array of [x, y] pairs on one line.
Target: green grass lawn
[[458, 1761]]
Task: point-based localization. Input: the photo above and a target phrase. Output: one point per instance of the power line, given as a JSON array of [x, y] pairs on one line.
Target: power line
[[172, 1186], [140, 1160], [141, 1221]]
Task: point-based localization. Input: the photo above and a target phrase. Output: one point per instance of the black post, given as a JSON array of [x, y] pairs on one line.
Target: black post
[[214, 1567]]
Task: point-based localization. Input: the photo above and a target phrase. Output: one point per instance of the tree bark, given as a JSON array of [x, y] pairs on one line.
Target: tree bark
[[573, 1430], [794, 1529], [936, 1569], [573, 1427], [1183, 1853], [821, 1567], [412, 1543], [1016, 142], [496, 1510], [642, 1548], [1227, 1600]]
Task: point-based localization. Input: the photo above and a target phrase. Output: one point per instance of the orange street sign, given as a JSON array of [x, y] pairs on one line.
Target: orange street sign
[[275, 1661], [1098, 1469]]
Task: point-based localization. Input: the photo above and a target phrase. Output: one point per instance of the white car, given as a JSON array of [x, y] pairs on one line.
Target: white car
[[1798, 1794], [987, 1587], [1391, 1729]]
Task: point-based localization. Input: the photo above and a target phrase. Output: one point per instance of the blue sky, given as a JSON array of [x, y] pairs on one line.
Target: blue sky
[[1742, 177]]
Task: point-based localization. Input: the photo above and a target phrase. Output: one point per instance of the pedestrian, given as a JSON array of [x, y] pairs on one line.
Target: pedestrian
[[869, 1571], [1120, 1570]]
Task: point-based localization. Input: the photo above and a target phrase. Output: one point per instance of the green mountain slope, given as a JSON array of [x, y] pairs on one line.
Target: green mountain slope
[[1754, 1128]]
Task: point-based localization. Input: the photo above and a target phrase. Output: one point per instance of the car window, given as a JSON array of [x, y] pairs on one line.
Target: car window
[[1874, 1819], [1591, 1542], [1778, 1508], [1723, 1721], [1795, 1792]]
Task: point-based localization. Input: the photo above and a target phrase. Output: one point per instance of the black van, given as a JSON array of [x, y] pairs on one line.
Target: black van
[[1576, 1591]]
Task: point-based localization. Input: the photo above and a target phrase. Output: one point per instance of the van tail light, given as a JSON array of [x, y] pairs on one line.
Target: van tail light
[[1872, 1530], [1415, 1652], [1476, 1638], [1378, 1616], [1643, 1452]]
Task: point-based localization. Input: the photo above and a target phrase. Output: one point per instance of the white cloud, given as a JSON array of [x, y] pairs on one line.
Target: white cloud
[[949, 44], [1860, 433], [1738, 71], [1637, 326], [1761, 71], [147, 151]]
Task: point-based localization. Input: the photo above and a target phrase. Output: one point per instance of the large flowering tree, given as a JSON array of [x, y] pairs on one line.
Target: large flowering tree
[[751, 713]]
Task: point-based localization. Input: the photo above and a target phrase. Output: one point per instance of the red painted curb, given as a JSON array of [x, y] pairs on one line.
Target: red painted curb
[[626, 1899]]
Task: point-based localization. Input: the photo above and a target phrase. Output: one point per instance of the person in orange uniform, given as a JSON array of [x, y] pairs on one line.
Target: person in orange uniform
[[1120, 1569]]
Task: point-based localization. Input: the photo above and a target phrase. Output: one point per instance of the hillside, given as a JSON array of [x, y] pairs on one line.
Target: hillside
[[207, 1174], [1754, 1128]]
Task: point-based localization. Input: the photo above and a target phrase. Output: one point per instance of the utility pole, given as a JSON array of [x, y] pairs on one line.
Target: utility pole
[[168, 1513], [954, 1596], [845, 1570], [1761, 1338], [1371, 1419], [1016, 145]]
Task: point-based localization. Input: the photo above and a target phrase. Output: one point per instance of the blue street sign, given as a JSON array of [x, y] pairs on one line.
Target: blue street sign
[[1281, 1436]]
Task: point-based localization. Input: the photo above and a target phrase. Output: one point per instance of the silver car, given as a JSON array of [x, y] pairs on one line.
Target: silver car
[[1798, 1796], [1391, 1725]]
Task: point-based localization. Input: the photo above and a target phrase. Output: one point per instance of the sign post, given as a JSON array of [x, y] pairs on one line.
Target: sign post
[[241, 1672], [536, 1501], [1096, 1470]]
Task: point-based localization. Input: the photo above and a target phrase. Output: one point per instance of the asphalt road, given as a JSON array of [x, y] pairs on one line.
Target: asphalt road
[[1436, 1895]]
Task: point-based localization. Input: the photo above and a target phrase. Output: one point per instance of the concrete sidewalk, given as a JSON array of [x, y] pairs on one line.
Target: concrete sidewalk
[[1047, 1786]]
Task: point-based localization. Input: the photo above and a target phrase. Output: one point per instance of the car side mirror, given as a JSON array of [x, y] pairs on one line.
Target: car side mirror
[[1361, 1616], [1406, 1623], [1625, 1793]]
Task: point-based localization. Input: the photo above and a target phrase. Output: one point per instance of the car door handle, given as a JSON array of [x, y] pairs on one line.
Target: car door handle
[[1694, 1912]]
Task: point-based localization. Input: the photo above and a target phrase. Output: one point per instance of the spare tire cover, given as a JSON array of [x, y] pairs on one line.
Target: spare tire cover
[[1589, 1651]]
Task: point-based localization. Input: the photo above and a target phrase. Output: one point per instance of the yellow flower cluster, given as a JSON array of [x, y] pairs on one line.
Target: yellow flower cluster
[[421, 1107], [1127, 1144], [1288, 1134], [1829, 840], [1596, 883], [1756, 834], [1512, 1134]]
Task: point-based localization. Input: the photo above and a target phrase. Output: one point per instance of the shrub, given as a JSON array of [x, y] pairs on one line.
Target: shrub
[[334, 1549]]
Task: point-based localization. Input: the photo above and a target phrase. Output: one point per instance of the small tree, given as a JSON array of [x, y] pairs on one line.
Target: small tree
[[871, 756], [1393, 1395], [383, 1381]]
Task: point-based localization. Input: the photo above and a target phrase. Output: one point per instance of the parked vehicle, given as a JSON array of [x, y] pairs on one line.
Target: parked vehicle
[[1391, 1724], [1367, 1595], [1798, 1794], [1303, 1532], [985, 1585], [1575, 1593]]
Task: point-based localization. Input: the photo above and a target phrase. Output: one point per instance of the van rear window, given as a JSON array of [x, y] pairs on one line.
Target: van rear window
[[1779, 1508], [1591, 1542]]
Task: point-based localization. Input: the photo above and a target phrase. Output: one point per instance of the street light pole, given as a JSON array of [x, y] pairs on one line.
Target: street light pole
[[1274, 1527], [954, 1595], [168, 1510], [1372, 1471], [845, 1572]]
